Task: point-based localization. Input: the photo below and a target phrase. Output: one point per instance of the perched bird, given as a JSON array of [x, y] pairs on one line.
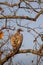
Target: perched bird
[[16, 40]]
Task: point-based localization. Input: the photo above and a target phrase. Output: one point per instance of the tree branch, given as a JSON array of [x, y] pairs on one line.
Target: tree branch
[[41, 12], [17, 17], [10, 5], [22, 17], [12, 53]]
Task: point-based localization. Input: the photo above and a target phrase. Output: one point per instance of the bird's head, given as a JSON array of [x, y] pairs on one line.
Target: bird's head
[[19, 30]]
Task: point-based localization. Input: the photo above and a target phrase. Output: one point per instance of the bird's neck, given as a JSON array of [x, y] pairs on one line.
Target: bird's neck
[[18, 32]]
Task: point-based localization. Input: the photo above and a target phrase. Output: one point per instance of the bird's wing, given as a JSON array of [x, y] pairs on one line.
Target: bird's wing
[[16, 41], [20, 40], [12, 39]]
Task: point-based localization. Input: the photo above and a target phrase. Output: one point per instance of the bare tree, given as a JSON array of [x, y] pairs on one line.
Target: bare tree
[[15, 15]]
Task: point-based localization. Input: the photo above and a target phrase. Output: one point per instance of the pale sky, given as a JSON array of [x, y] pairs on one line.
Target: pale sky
[[25, 59]]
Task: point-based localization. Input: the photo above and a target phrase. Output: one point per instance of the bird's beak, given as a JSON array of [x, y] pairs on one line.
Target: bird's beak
[[20, 30]]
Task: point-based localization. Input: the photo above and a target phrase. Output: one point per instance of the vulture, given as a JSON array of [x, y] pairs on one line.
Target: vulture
[[16, 40]]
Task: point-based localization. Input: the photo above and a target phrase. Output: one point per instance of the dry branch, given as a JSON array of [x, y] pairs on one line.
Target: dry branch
[[12, 53], [22, 17], [17, 17], [8, 4]]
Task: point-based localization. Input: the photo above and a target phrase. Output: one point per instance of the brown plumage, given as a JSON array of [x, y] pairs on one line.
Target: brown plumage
[[16, 40]]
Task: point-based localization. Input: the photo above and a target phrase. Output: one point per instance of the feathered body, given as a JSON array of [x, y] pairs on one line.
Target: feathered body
[[16, 40]]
